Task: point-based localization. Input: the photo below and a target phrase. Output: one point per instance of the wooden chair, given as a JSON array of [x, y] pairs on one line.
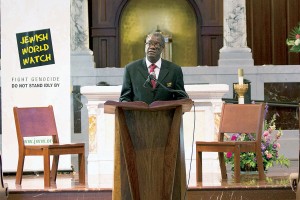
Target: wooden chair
[[40, 121], [235, 118]]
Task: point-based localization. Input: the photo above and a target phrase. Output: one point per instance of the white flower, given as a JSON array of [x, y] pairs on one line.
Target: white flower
[[266, 152], [297, 42], [273, 127]]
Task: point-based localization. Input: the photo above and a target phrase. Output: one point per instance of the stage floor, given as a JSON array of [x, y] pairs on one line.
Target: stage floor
[[276, 186]]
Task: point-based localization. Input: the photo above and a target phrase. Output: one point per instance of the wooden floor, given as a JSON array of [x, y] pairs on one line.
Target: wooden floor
[[276, 186]]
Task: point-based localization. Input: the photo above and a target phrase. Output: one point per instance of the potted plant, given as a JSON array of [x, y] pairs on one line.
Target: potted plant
[[293, 39], [269, 147]]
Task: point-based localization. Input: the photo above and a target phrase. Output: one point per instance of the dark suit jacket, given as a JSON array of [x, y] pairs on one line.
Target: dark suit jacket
[[135, 87]]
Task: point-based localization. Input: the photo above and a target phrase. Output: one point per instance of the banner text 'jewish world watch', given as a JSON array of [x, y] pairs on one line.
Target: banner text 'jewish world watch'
[[35, 48]]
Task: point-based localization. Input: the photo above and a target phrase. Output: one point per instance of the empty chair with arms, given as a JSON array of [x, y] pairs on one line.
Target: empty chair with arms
[[235, 118], [40, 121]]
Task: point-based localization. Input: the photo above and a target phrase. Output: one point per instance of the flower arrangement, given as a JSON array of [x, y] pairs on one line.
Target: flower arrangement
[[269, 147], [294, 39]]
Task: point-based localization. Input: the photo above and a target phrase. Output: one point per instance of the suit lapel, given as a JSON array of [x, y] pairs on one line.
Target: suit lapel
[[164, 70], [143, 70]]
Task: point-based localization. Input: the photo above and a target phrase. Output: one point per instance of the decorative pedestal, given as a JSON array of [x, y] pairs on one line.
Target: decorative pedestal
[[241, 90], [230, 56]]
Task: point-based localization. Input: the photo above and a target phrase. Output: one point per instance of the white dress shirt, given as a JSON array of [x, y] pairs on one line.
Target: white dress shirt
[[157, 69]]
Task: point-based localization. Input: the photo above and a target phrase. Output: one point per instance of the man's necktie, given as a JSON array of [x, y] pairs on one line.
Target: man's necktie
[[152, 67]]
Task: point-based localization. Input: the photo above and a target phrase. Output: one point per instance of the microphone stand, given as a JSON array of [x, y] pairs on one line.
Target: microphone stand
[[151, 77], [147, 81]]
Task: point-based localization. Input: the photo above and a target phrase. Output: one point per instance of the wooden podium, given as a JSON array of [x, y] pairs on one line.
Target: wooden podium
[[149, 149]]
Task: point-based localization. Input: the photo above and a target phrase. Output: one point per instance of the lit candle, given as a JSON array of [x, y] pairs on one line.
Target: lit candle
[[241, 76]]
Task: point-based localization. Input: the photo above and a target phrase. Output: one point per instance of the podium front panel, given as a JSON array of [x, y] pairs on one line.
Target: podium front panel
[[149, 155]]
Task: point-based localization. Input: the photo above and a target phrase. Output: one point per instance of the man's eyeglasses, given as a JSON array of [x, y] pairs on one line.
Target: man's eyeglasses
[[155, 44]]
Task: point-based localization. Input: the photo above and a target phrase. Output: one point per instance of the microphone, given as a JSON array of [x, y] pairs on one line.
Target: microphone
[[147, 81], [152, 77]]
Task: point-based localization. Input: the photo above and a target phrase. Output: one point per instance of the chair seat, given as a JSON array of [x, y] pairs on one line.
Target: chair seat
[[225, 142], [212, 143], [52, 146], [55, 149], [55, 145], [225, 146]]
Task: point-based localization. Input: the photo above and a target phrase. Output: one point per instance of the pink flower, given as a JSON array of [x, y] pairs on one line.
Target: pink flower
[[229, 154], [297, 36], [233, 137], [278, 146], [266, 134], [269, 155]]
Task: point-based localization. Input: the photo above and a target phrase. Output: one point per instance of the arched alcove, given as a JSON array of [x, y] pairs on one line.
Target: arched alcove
[[107, 21], [173, 17]]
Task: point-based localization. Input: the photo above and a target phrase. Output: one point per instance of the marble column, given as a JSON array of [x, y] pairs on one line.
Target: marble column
[[235, 51], [82, 63], [81, 56]]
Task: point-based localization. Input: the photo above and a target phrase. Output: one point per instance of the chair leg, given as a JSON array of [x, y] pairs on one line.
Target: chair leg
[[260, 166], [20, 169], [199, 166], [46, 167], [81, 164], [222, 165], [55, 161], [237, 166]]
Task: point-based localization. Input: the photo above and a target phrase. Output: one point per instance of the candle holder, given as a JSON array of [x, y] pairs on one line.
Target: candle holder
[[241, 89]]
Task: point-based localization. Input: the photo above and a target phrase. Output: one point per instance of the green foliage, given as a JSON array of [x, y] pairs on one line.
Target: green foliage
[[294, 39]]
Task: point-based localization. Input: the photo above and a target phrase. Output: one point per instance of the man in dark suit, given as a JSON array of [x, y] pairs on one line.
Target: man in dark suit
[[136, 83]]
